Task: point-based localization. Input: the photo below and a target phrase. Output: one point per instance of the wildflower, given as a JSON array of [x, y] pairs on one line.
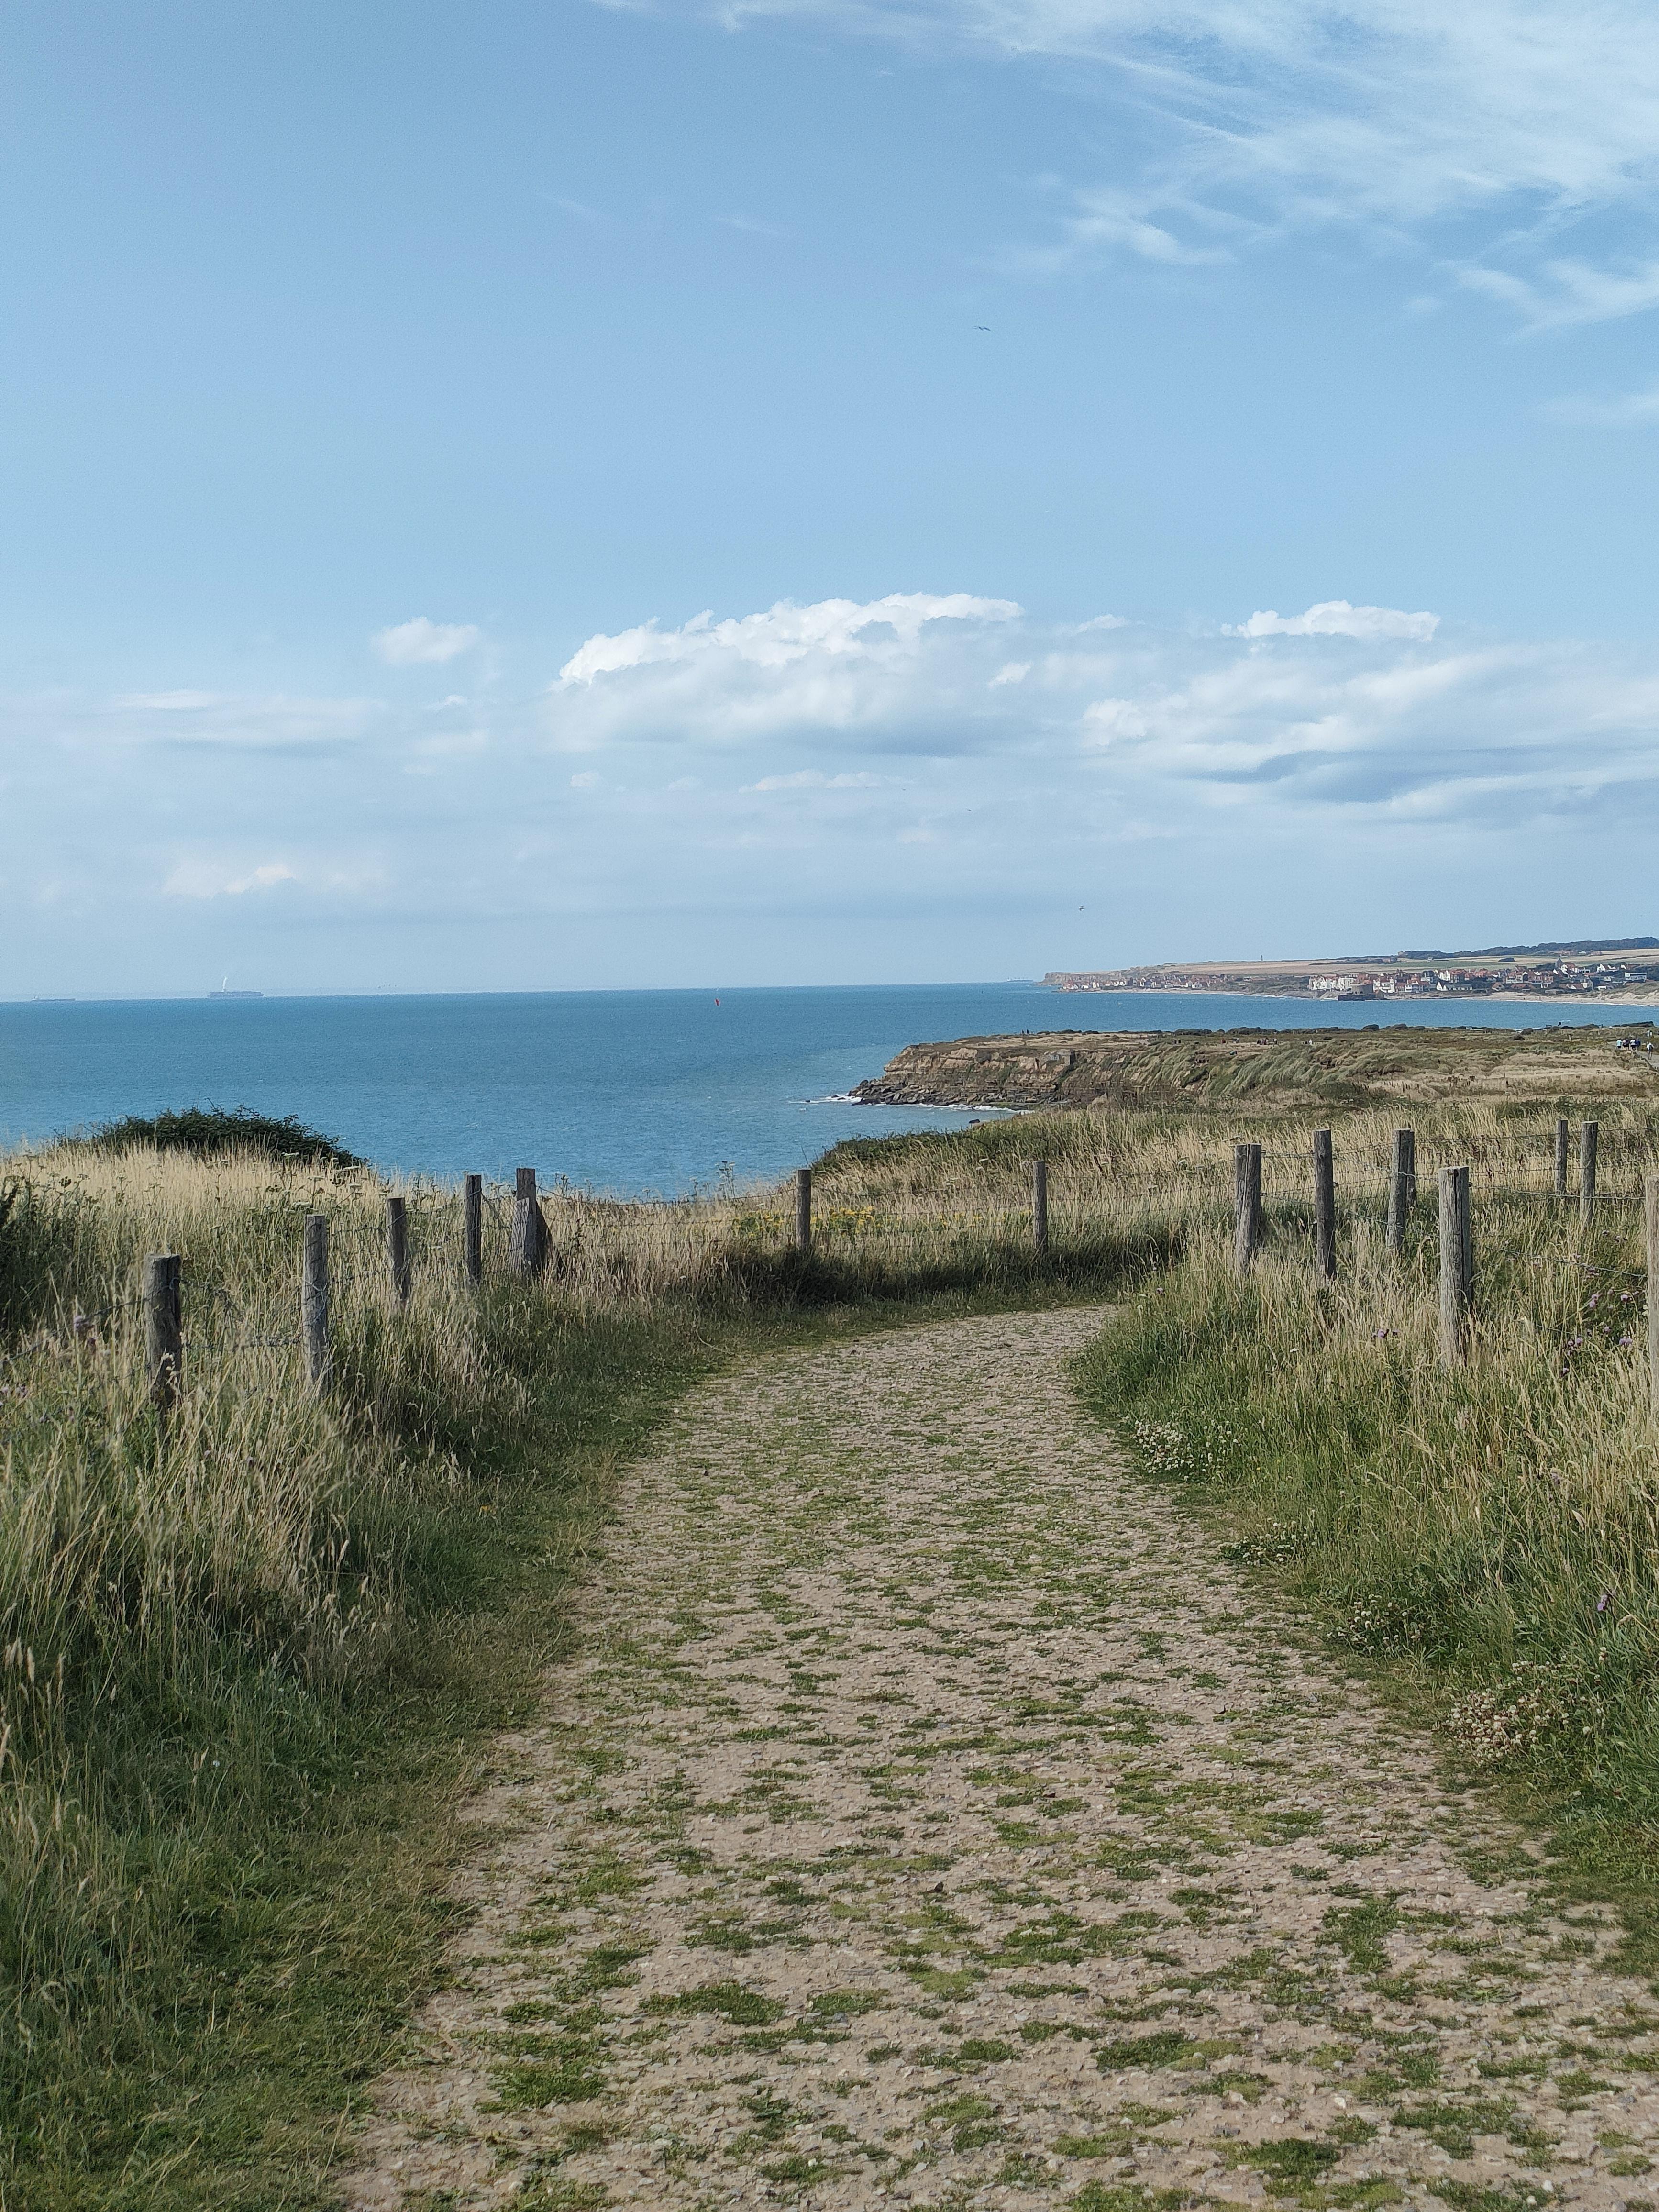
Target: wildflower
[[1601, 1601]]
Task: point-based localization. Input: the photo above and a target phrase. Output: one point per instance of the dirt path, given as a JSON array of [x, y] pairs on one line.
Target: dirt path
[[925, 1820]]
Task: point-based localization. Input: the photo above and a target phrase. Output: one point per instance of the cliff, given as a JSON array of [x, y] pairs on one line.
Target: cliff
[[1293, 1068]]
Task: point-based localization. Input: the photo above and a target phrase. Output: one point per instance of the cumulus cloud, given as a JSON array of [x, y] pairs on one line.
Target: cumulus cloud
[[1141, 720], [836, 664], [419, 642], [1336, 618], [784, 634]]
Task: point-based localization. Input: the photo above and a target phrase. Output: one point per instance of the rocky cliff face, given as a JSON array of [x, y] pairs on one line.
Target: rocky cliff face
[[1292, 1067]]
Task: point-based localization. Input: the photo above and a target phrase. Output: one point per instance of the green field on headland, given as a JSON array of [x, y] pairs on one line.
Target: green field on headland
[[252, 1665]]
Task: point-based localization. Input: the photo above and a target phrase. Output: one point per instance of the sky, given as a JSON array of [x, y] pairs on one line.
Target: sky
[[529, 496]]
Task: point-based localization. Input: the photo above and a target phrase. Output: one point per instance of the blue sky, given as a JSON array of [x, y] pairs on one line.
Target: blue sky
[[545, 495]]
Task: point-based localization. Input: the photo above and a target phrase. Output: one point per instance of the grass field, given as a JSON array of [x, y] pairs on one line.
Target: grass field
[[247, 1665], [247, 1668]]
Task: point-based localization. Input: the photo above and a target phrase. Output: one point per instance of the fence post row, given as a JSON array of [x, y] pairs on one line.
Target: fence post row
[[396, 1247], [1561, 1157], [1247, 1205], [1456, 1264], [1588, 1132], [527, 1252], [1039, 1205], [472, 1228], [314, 1298], [1324, 1167], [803, 1209], [164, 1329], [1402, 1187]]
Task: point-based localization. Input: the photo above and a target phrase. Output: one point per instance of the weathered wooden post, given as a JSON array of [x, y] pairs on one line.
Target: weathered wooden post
[[803, 1210], [1588, 1132], [314, 1298], [1246, 1206], [164, 1329], [472, 1228], [1402, 1187], [1324, 1165], [397, 1246], [1650, 1193], [528, 1249], [1040, 1207], [1561, 1157], [1456, 1264]]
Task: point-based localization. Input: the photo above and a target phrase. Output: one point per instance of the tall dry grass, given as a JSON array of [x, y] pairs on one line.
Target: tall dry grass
[[1491, 1531], [202, 1625]]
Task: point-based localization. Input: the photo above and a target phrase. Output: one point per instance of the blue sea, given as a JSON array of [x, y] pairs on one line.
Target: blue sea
[[627, 1091]]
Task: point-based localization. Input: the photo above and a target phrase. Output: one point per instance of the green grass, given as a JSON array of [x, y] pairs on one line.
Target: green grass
[[1479, 1538], [248, 1667]]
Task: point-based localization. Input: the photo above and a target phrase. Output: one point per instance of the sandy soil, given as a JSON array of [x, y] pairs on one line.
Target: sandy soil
[[929, 1817]]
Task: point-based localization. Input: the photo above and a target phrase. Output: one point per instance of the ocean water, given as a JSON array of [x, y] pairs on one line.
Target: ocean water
[[626, 1091]]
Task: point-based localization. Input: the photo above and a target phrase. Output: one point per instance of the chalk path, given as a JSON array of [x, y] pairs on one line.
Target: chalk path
[[927, 1817]]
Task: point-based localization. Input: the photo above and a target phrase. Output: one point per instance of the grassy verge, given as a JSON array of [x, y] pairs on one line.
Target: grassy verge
[[1484, 1541], [248, 1666]]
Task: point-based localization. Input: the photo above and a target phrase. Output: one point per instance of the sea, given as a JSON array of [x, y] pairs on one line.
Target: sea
[[630, 1092]]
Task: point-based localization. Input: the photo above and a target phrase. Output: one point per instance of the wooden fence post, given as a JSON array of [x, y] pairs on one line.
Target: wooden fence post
[[1324, 1166], [1402, 1187], [528, 1249], [1246, 1206], [1040, 1207], [472, 1228], [803, 1210], [1561, 1157], [397, 1246], [1588, 1132], [1456, 1264], [1650, 1193], [164, 1329], [314, 1298]]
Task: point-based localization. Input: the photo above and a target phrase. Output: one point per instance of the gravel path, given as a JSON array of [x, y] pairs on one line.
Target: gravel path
[[927, 1818]]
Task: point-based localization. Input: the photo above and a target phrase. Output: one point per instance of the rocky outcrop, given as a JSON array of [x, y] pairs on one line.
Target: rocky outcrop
[[1323, 1066]]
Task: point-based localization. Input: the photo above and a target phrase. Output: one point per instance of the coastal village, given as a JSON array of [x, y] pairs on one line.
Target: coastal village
[[1626, 967]]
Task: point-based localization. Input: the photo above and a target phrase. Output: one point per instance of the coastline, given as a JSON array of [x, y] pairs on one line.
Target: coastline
[[1425, 998]]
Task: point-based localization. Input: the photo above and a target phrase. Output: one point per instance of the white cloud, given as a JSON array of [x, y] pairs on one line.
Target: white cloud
[[1630, 410], [203, 878], [237, 722], [1142, 722], [812, 779], [1011, 671], [1402, 116], [836, 666], [1569, 292], [1336, 618], [785, 632], [417, 643]]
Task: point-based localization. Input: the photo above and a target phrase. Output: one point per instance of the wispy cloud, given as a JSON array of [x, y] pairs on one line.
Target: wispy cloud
[[236, 721], [1400, 117], [418, 642], [1564, 293], [1629, 411], [201, 878], [1336, 618]]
